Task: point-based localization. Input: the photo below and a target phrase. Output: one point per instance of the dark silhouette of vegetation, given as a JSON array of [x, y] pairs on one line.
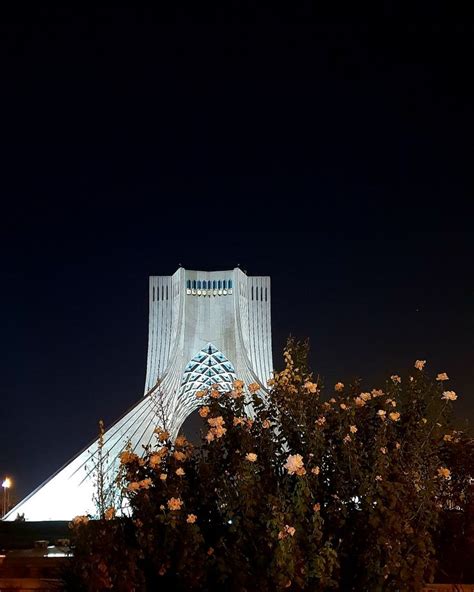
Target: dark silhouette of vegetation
[[289, 490]]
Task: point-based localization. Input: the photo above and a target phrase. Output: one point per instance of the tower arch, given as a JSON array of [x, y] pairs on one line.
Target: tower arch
[[208, 369]]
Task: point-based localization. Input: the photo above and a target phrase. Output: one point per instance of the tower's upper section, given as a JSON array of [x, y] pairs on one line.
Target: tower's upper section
[[191, 309]]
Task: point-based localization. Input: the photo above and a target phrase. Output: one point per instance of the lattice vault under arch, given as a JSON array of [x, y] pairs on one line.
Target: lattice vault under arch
[[209, 368]]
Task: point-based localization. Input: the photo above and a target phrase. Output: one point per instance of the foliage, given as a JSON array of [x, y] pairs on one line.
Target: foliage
[[287, 490]]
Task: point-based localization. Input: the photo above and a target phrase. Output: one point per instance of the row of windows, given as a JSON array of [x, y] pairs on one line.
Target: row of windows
[[257, 294], [208, 285], [157, 293], [208, 292]]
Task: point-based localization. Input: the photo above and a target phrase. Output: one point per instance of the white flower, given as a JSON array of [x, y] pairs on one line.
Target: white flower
[[442, 376], [339, 386], [419, 364]]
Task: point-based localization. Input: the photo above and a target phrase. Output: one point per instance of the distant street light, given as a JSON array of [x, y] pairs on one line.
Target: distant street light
[[7, 483]]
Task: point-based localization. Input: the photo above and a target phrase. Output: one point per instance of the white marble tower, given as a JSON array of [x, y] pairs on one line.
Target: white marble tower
[[206, 328]]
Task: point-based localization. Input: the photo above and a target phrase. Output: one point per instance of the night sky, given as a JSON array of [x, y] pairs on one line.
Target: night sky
[[335, 158]]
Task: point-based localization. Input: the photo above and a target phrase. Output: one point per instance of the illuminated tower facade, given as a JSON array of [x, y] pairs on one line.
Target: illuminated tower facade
[[205, 329]]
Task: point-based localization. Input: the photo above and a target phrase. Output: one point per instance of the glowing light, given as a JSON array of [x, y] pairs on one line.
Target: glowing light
[[7, 483]]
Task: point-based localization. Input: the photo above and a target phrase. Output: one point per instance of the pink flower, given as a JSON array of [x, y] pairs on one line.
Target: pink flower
[[204, 411], [311, 387], [294, 464], [444, 472], [288, 530], [174, 503], [449, 396]]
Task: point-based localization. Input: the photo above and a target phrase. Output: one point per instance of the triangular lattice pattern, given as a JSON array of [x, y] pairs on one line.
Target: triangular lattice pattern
[[208, 368]]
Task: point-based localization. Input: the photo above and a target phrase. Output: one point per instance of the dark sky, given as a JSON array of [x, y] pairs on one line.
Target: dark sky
[[336, 158]]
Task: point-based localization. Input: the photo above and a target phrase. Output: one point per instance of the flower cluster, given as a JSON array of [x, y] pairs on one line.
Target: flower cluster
[[136, 485], [304, 477], [217, 428]]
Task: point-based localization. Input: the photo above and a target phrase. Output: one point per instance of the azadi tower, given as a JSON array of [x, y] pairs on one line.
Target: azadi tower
[[206, 328]]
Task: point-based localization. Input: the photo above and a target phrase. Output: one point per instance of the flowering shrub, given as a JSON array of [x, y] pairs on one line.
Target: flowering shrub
[[287, 490]]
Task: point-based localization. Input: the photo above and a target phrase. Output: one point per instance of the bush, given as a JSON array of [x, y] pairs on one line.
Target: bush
[[287, 490]]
